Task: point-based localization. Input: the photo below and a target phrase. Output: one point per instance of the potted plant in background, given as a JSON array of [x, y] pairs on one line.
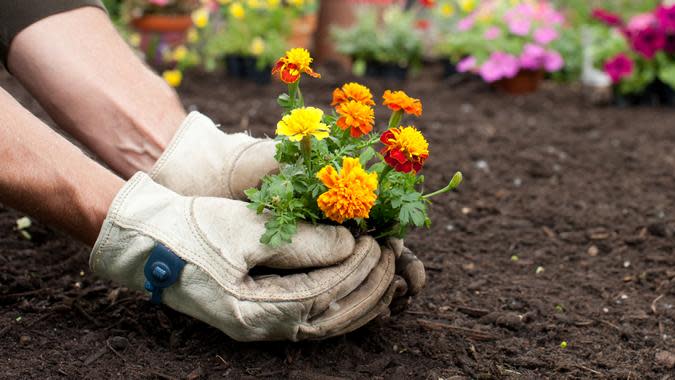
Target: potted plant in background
[[253, 35], [509, 44], [161, 25], [638, 55], [444, 18], [304, 22], [385, 43]]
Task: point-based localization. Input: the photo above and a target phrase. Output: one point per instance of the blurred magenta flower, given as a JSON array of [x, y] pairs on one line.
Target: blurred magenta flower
[[666, 17], [648, 41], [500, 65], [466, 23], [619, 67], [607, 17], [160, 3]]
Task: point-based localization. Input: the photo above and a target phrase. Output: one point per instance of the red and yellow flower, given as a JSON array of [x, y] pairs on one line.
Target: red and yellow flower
[[351, 192], [405, 149], [399, 100], [359, 118], [352, 91], [295, 62]]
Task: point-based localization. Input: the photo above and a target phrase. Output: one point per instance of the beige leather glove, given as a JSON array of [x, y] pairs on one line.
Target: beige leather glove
[[196, 256], [201, 160]]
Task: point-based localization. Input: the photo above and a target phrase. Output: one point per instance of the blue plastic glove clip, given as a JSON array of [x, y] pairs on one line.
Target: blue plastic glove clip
[[161, 271]]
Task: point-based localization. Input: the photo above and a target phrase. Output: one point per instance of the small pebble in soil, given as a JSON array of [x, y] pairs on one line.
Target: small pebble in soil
[[514, 258], [482, 165], [118, 343], [539, 270], [449, 227], [593, 251], [24, 339], [666, 359], [466, 210], [517, 182], [626, 264], [605, 310]]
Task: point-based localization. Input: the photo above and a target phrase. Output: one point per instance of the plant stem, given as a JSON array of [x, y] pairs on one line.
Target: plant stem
[[386, 171], [395, 119], [454, 182], [300, 98], [306, 148], [292, 93]]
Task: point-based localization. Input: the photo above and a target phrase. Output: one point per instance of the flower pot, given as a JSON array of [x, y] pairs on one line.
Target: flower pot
[[246, 68], [449, 68], [525, 82], [163, 23], [302, 31], [160, 33], [385, 70], [656, 93]]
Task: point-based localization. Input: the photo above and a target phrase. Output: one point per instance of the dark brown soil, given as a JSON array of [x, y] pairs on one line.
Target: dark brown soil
[[563, 231]]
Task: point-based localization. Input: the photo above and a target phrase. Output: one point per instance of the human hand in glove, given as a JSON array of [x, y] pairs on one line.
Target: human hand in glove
[[201, 160], [195, 254]]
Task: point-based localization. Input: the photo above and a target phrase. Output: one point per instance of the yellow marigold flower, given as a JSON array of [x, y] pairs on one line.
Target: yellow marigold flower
[[405, 149], [447, 10], [352, 91], [173, 77], [399, 100], [179, 53], [257, 46], [303, 122], [296, 3], [200, 17], [351, 193], [273, 3], [255, 4], [359, 118], [467, 6], [295, 62], [237, 10]]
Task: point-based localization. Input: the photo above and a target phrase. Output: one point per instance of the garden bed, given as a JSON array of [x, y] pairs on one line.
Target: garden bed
[[585, 194]]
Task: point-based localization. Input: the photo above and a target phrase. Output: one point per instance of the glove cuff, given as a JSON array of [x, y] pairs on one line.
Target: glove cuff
[[203, 161]]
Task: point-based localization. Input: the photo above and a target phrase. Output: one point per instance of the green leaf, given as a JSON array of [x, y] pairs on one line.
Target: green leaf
[[284, 101], [667, 74]]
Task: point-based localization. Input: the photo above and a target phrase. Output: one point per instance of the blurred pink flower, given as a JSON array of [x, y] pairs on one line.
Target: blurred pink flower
[[545, 35], [532, 57], [519, 19], [641, 22], [607, 17], [553, 61], [648, 41], [499, 66], [619, 67], [160, 3], [466, 64], [493, 33], [466, 23]]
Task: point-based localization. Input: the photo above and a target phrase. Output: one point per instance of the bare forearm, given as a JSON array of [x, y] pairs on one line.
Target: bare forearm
[[46, 177], [95, 88]]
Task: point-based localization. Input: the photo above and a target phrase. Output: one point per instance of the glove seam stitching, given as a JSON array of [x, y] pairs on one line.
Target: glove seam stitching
[[225, 175]]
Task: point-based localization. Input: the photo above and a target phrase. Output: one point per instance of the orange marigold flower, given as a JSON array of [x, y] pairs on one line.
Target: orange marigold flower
[[358, 117], [351, 193], [399, 100], [295, 62], [405, 149], [352, 91]]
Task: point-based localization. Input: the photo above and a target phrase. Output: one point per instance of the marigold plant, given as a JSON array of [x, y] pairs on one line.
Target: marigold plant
[[332, 169]]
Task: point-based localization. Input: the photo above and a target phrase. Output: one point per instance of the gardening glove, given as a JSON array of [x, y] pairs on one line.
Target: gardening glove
[[201, 160], [196, 256], [411, 270]]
